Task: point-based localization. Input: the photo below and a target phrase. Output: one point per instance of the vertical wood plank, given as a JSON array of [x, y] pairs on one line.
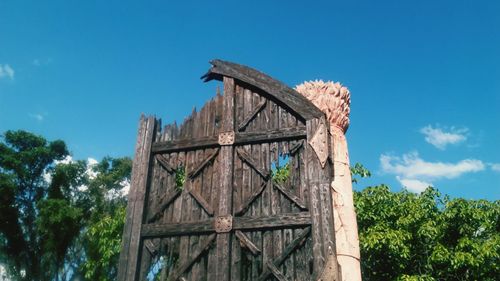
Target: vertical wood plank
[[131, 242], [236, 251], [226, 176], [313, 167]]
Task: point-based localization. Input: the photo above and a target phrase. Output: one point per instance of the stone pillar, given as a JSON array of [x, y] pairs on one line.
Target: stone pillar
[[334, 100]]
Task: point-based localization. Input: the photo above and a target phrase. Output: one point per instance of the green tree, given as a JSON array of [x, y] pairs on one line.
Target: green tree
[[102, 238], [29, 207], [408, 236]]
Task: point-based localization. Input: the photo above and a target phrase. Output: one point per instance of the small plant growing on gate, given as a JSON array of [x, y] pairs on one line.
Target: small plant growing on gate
[[180, 177]]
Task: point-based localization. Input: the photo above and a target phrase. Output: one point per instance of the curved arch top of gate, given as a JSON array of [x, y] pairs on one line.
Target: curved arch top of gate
[[286, 95], [203, 202]]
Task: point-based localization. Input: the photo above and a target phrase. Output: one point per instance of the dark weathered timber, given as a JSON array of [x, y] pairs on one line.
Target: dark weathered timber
[[226, 180], [247, 243], [313, 168], [252, 115], [296, 243], [290, 196], [276, 272], [194, 257], [131, 242], [185, 144], [152, 245], [203, 203], [296, 147], [240, 139], [288, 97], [248, 201], [265, 174], [272, 221], [236, 245], [202, 165], [164, 202], [268, 220], [164, 163], [270, 135], [176, 229]]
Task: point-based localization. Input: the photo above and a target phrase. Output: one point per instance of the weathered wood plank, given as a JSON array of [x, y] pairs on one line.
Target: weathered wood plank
[[289, 97], [295, 147], [194, 257], [289, 194], [201, 201], [202, 165], [131, 245], [263, 172], [276, 272], [226, 178], [249, 117], [240, 139], [164, 163], [270, 222], [247, 243], [313, 167], [240, 210], [164, 203], [297, 242]]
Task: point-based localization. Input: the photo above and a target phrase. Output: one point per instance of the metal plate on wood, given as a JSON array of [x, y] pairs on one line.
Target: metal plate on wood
[[223, 224], [319, 143], [226, 138]]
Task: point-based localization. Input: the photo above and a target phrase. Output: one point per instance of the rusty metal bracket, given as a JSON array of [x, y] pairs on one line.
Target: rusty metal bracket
[[226, 138], [319, 143], [223, 224]]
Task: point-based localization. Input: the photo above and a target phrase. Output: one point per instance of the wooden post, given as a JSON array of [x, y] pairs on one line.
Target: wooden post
[[131, 239], [318, 176], [226, 181]]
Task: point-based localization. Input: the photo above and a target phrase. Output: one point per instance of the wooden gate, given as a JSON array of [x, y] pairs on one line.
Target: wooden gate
[[213, 200]]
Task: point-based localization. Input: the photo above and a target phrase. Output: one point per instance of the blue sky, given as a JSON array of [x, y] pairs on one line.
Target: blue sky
[[424, 75]]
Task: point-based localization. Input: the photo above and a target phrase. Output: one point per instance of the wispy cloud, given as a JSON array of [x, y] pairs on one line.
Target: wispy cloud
[[6, 71], [495, 167], [416, 174], [42, 61], [413, 184], [37, 116], [440, 138]]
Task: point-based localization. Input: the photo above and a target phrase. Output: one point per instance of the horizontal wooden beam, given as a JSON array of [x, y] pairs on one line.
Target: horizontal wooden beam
[[176, 229], [186, 144], [290, 220], [240, 139]]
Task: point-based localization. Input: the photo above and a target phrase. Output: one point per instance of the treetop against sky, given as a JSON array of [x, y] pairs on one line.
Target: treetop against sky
[[423, 75]]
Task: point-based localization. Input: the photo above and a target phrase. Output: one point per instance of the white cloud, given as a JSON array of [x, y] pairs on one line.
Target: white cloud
[[68, 159], [412, 166], [416, 174], [42, 61], [6, 71], [37, 116], [495, 167], [413, 184], [91, 163], [440, 139]]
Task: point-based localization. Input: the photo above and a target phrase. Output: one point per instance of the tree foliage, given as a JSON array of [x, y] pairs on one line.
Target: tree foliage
[[407, 236], [56, 216], [24, 157], [71, 225]]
